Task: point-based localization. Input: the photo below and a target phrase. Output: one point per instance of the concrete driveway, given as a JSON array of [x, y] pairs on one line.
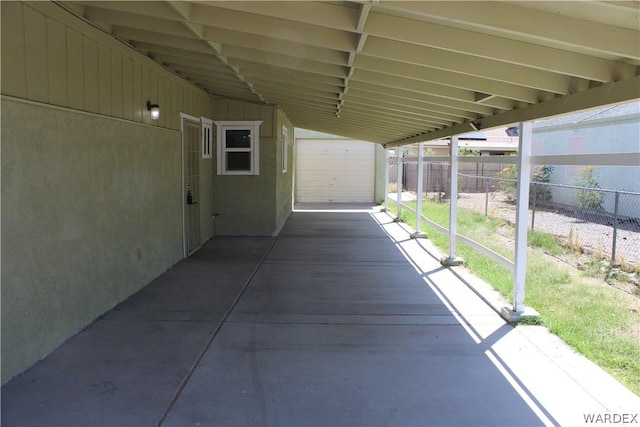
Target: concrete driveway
[[342, 320]]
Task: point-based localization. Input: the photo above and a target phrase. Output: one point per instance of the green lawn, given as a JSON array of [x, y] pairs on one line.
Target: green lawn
[[591, 317]]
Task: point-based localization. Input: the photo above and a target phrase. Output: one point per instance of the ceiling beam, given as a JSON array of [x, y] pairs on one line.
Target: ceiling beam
[[183, 43], [625, 14], [474, 66], [212, 65], [511, 21], [496, 48], [402, 104], [366, 101], [274, 45], [284, 61], [367, 78], [365, 8], [293, 92], [266, 26], [463, 107], [387, 116], [313, 13], [298, 85], [153, 48], [419, 73], [610, 93], [140, 8], [285, 75], [140, 22], [259, 67], [607, 94]]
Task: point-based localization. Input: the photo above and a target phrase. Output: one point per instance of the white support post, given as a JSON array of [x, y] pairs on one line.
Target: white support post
[[399, 185], [419, 233], [522, 212], [453, 205], [385, 204]]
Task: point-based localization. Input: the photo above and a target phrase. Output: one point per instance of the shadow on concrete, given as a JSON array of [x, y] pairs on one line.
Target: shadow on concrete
[[327, 325]]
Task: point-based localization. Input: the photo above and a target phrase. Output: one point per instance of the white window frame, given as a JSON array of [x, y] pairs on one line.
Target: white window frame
[[254, 128], [207, 138], [285, 149]]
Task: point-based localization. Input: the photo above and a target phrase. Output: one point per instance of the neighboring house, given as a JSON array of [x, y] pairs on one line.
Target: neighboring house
[[606, 130], [492, 142]]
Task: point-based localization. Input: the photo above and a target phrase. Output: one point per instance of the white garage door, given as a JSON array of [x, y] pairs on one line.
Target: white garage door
[[339, 171]]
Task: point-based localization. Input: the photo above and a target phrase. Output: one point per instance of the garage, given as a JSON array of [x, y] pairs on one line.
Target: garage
[[338, 171]]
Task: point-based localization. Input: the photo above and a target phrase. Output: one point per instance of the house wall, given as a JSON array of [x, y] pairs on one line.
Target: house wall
[[284, 180], [253, 205], [612, 135], [379, 184], [91, 187]]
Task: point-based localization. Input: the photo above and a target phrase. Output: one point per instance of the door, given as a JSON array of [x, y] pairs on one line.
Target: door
[[338, 171], [191, 156]]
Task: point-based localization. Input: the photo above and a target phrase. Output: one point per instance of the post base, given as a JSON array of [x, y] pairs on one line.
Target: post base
[[516, 316], [451, 262], [419, 235], [397, 219], [383, 209]]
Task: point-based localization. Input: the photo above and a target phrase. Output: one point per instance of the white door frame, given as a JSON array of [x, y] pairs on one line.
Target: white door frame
[[183, 117]]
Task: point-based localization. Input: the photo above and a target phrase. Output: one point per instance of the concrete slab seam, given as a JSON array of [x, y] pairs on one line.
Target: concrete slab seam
[[213, 335]]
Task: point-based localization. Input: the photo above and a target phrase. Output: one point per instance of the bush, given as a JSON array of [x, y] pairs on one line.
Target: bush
[[589, 199], [510, 188], [542, 192]]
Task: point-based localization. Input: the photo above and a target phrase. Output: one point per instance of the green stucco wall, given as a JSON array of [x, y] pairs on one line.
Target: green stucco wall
[[91, 212], [284, 180], [253, 205], [92, 197]]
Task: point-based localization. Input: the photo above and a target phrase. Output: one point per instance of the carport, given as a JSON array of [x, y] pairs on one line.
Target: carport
[[136, 133], [341, 320]]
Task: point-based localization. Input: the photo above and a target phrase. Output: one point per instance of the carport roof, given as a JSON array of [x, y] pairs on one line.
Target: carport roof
[[392, 72]]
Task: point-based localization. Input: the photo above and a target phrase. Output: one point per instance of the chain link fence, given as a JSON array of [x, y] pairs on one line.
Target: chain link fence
[[602, 222]]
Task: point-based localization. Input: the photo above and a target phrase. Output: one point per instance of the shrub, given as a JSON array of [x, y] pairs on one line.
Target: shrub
[[589, 199], [540, 174], [509, 188]]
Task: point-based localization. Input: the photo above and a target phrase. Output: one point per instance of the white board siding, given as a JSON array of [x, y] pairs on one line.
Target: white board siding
[[339, 171]]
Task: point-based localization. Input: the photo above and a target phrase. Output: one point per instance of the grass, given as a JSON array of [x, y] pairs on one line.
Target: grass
[[590, 317]]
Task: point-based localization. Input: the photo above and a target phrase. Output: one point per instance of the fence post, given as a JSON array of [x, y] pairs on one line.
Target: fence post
[[615, 229], [399, 186], [443, 184], [533, 210], [429, 180], [452, 260], [419, 232], [486, 197]]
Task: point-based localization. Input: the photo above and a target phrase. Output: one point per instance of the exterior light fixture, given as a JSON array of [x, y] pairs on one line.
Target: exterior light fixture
[[512, 131], [154, 109]]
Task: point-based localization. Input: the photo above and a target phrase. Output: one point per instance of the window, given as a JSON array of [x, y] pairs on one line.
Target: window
[[238, 148], [285, 148], [207, 136]]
